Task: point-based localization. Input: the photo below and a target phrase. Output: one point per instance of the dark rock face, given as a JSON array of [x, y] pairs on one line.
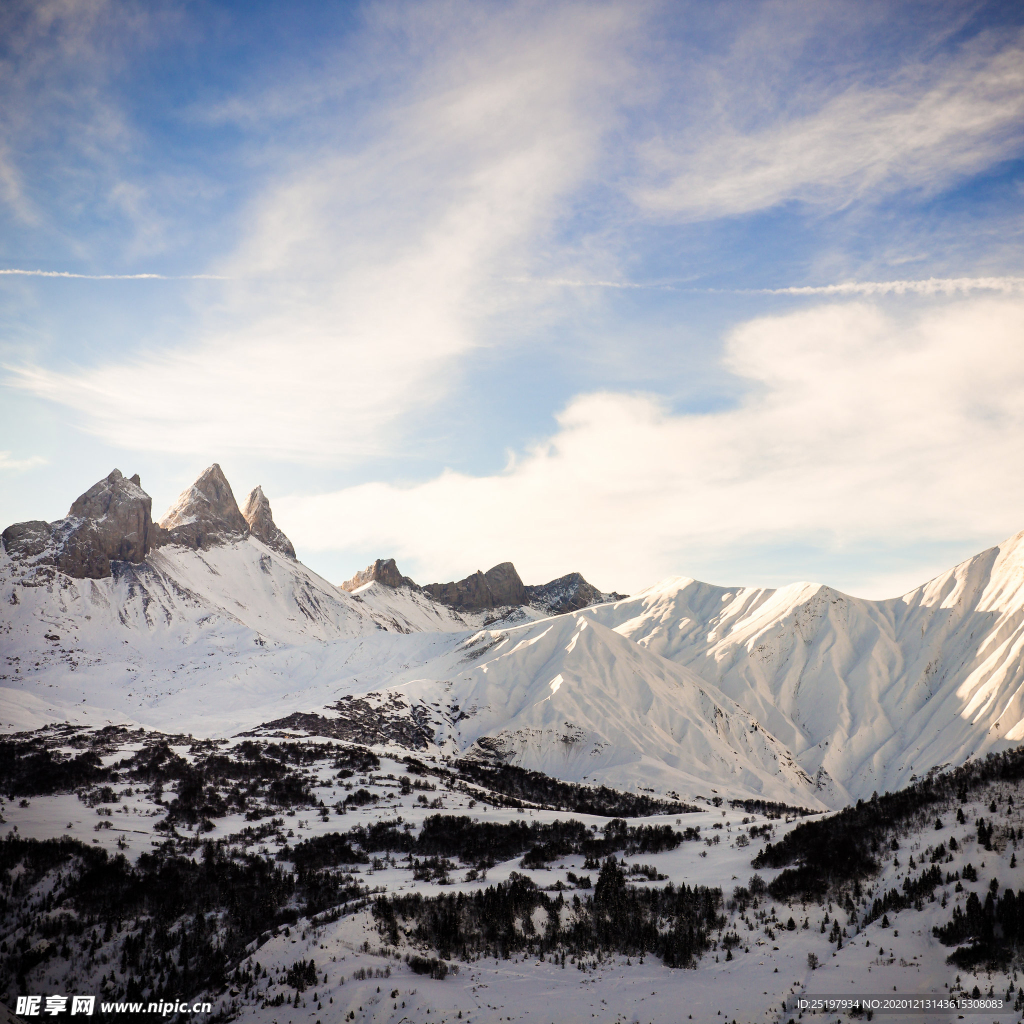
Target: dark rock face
[[498, 587], [26, 542], [114, 523], [369, 720], [261, 523], [383, 570], [566, 594], [110, 522], [205, 514]]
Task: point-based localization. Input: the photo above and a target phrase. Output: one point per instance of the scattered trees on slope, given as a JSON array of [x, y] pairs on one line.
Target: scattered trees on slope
[[673, 923]]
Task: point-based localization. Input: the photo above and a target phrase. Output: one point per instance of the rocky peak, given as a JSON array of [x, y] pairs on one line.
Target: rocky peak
[[383, 570], [258, 515], [568, 593], [109, 522], [205, 514], [499, 587]]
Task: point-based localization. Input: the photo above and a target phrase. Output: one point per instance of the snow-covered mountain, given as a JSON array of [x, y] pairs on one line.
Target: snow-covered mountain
[[571, 698], [565, 696], [206, 622], [872, 692]]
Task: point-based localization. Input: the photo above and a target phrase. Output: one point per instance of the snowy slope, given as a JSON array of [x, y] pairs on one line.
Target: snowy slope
[[239, 619], [179, 590], [219, 641], [871, 692], [571, 698], [274, 595]]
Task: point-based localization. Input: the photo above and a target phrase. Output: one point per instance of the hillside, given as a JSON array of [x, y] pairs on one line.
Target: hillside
[[873, 692]]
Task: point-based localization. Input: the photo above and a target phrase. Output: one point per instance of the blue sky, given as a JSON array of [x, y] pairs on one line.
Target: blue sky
[[726, 290]]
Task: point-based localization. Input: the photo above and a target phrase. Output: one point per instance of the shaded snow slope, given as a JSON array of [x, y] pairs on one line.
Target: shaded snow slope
[[874, 692], [571, 698], [179, 590]]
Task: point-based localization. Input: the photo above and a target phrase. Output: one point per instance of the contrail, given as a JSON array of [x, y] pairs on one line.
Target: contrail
[[116, 277], [930, 286]]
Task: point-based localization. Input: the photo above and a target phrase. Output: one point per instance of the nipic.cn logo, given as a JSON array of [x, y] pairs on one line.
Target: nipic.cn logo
[[32, 1006], [35, 1006]]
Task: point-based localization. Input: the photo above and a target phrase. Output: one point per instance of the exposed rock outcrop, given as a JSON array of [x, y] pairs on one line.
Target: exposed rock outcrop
[[205, 514], [566, 594], [112, 521], [499, 587], [261, 523], [383, 570]]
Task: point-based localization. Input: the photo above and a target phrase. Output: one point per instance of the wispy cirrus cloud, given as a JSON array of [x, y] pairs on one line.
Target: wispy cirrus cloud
[[368, 268], [927, 126], [112, 277], [930, 286]]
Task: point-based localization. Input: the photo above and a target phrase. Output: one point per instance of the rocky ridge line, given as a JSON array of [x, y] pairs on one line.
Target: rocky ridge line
[[499, 587], [383, 570], [112, 522]]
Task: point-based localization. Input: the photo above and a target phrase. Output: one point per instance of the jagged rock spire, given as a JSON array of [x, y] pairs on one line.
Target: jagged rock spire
[[258, 515], [204, 514]]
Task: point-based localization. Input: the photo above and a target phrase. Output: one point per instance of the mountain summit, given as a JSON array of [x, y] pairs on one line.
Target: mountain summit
[[499, 587], [110, 522], [567, 594], [383, 570], [205, 513], [261, 523]]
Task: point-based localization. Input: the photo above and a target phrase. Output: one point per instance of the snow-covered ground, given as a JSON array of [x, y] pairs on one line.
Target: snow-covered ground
[[360, 978]]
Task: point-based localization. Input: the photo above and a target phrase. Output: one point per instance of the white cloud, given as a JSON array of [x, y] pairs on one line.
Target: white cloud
[[7, 461], [367, 269], [926, 128], [858, 425]]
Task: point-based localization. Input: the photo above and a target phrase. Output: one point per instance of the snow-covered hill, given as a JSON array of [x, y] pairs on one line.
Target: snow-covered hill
[[874, 692], [167, 646]]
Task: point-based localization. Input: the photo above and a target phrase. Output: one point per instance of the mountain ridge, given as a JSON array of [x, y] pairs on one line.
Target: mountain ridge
[[208, 622]]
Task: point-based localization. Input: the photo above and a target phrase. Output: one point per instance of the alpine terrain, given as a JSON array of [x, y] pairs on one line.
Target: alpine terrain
[[384, 800]]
